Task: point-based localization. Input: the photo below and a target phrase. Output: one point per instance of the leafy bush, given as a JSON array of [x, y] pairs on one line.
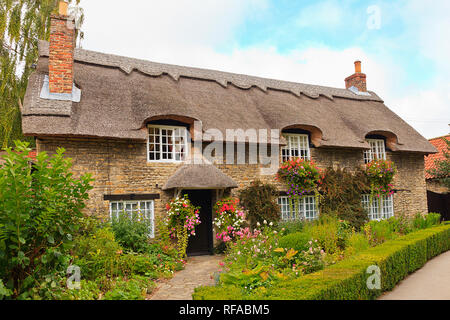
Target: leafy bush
[[40, 212], [378, 232], [298, 241], [356, 243], [426, 221], [292, 226], [89, 290], [330, 232], [341, 195], [260, 202], [132, 232], [98, 254], [133, 289], [347, 279]]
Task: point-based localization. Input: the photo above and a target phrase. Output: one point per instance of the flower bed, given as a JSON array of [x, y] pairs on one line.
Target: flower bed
[[347, 279]]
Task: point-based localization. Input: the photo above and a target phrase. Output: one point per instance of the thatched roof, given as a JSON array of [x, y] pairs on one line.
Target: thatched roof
[[119, 95], [199, 176]]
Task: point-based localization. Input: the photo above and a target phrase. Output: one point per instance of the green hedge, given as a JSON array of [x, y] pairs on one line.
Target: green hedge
[[347, 279]]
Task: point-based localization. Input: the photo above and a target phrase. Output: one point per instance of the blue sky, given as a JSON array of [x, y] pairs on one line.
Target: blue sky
[[403, 45]]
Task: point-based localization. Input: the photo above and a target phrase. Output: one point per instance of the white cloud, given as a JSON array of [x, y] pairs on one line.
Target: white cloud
[[326, 14], [188, 33]]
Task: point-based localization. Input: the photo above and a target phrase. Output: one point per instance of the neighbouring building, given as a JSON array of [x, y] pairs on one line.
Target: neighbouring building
[[128, 122], [437, 194]]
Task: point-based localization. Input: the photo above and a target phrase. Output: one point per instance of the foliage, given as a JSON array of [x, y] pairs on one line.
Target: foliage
[[22, 24], [441, 172], [229, 218], [132, 232], [356, 243], [98, 254], [40, 212], [298, 241], [182, 219], [135, 288], [341, 195], [330, 232], [260, 202], [425, 221], [291, 226], [4, 292], [380, 174], [348, 278]]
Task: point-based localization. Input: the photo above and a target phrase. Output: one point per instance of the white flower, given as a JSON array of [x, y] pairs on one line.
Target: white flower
[[258, 224], [271, 224], [265, 221]]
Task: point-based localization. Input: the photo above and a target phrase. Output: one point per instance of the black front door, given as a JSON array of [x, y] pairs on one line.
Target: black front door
[[202, 242]]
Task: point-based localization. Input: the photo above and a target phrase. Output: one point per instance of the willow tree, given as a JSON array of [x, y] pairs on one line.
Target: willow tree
[[22, 24]]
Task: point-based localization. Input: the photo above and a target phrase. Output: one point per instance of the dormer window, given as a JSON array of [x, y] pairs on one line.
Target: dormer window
[[377, 150], [167, 143], [297, 147]]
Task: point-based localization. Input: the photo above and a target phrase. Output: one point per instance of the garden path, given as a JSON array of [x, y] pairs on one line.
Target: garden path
[[197, 272], [432, 282]]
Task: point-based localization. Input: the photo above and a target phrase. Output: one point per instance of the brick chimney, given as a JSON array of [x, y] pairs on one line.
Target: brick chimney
[[357, 80], [62, 46]]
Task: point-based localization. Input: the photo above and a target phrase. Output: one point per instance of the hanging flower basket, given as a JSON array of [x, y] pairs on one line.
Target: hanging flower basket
[[183, 217], [300, 176], [380, 174], [230, 218]]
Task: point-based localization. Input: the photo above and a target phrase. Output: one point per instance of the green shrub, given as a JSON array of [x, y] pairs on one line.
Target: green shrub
[[40, 212], [89, 290], [348, 278], [133, 289], [291, 226], [98, 254], [298, 241], [260, 202], [356, 243], [378, 232], [132, 232], [341, 194], [330, 232], [425, 221]]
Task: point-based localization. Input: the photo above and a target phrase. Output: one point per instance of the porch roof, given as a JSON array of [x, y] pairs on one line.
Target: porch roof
[[199, 176]]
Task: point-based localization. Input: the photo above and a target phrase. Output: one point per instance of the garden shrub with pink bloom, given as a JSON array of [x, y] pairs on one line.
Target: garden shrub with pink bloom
[[229, 219], [183, 217]]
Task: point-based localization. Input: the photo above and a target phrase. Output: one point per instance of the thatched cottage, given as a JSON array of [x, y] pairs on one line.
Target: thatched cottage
[[128, 122]]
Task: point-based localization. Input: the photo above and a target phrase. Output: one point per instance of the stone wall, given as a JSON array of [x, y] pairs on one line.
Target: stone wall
[[121, 167]]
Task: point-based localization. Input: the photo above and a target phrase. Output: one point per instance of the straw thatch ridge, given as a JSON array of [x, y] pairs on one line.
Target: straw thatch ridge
[[199, 176], [116, 104]]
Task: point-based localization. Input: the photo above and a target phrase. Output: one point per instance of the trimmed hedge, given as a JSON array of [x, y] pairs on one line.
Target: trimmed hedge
[[347, 279]]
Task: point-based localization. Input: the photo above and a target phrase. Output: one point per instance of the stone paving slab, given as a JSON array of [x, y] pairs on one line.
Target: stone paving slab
[[197, 272], [432, 282]]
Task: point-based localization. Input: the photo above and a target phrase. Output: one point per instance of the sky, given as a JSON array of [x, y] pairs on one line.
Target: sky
[[403, 45]]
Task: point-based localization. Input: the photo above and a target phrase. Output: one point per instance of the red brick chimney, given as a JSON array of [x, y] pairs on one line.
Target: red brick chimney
[[357, 80], [62, 46]]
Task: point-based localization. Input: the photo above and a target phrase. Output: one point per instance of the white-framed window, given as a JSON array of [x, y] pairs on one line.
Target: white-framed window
[[167, 144], [377, 150], [144, 209], [306, 208], [297, 147], [373, 209]]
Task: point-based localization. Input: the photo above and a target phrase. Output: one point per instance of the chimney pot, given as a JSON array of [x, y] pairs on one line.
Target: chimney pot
[[357, 80], [63, 6], [358, 66]]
